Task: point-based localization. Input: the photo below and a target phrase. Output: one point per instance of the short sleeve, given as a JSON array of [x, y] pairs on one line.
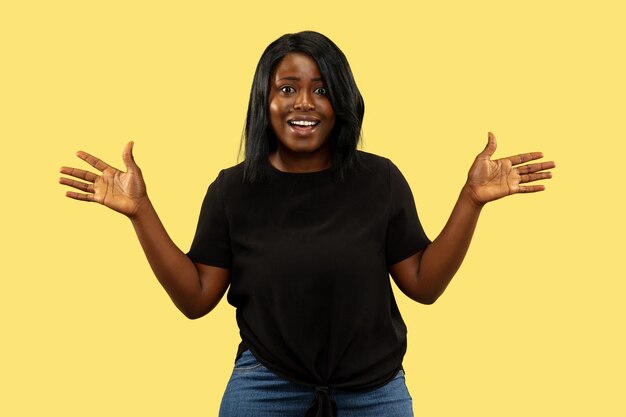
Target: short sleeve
[[405, 235], [211, 244]]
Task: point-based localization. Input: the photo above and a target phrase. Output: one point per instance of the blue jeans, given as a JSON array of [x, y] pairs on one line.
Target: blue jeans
[[254, 391]]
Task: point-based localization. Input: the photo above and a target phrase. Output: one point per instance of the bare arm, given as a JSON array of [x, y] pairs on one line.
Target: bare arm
[[425, 275], [194, 288]]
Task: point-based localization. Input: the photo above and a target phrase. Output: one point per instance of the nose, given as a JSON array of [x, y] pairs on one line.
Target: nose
[[304, 101]]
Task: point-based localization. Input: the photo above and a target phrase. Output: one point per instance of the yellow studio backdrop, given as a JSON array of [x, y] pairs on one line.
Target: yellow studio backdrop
[[532, 325]]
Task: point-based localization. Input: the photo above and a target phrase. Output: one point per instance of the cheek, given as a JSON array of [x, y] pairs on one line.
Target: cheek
[[274, 109], [330, 116], [275, 114], [327, 109], [330, 126]]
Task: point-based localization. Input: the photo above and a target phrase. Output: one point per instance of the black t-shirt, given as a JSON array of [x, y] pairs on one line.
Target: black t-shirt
[[309, 257]]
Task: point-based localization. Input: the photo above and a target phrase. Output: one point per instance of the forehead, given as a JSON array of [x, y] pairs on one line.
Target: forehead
[[298, 65]]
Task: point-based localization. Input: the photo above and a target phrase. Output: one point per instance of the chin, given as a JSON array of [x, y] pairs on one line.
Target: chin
[[305, 146]]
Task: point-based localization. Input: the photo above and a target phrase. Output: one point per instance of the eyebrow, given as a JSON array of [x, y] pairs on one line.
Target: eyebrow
[[298, 79]]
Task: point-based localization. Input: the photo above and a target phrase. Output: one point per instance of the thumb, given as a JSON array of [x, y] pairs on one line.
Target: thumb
[[490, 149], [128, 158]]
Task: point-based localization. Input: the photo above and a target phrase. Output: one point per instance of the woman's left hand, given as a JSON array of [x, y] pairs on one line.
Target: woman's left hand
[[490, 180]]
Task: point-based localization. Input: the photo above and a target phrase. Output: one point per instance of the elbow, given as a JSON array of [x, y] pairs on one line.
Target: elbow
[[426, 300], [192, 312], [192, 315], [196, 311], [428, 293], [193, 307], [426, 297]]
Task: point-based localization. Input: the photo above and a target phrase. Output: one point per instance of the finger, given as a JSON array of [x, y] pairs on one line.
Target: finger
[[491, 146], [79, 185], [535, 177], [127, 156], [79, 173], [524, 157], [527, 169], [530, 188], [93, 161], [80, 196]]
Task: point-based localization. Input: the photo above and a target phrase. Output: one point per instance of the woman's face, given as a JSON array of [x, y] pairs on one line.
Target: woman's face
[[300, 112]]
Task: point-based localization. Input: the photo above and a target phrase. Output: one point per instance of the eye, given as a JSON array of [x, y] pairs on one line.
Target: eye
[[321, 91], [287, 89]]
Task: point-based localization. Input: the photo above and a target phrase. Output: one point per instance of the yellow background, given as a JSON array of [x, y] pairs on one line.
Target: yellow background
[[532, 325]]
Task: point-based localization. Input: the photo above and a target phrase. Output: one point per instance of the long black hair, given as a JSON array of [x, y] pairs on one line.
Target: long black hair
[[345, 98]]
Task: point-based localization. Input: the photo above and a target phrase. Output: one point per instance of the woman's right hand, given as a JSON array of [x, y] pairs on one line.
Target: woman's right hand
[[124, 192]]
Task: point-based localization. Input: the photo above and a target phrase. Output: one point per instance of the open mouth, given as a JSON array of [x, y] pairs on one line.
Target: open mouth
[[303, 127], [303, 123]]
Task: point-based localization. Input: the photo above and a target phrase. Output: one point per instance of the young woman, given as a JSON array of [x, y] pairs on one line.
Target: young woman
[[306, 232]]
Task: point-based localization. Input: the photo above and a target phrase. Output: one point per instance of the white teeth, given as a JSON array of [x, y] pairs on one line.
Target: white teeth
[[302, 123]]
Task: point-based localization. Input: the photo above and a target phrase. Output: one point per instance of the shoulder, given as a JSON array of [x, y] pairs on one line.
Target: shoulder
[[373, 162], [227, 179], [230, 176], [234, 171], [372, 159], [383, 171], [377, 165]]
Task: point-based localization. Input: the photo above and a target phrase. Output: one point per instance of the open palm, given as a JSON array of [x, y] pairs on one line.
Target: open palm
[[490, 180], [121, 191]]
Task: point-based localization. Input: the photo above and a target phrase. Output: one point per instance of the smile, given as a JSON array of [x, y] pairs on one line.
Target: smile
[[303, 123]]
